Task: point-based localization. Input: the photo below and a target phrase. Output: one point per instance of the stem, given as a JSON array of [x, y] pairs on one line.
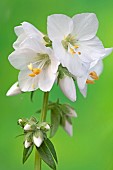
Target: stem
[[44, 107], [37, 161], [43, 118]]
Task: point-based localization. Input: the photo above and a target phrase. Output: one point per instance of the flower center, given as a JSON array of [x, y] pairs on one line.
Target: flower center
[[35, 71], [94, 76], [70, 44]]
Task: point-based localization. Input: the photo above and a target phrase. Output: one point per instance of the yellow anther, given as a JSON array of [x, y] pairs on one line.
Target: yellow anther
[[32, 75], [89, 81], [79, 53], [72, 51], [30, 66], [93, 75], [36, 71], [76, 46]]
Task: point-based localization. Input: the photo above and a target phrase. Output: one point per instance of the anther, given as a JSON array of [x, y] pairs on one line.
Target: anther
[[89, 81], [94, 75]]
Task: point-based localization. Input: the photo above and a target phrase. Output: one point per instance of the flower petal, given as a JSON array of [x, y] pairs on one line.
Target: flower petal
[[27, 83], [68, 87], [21, 58], [85, 26], [72, 62], [91, 50], [47, 79], [59, 26], [84, 91], [68, 128]]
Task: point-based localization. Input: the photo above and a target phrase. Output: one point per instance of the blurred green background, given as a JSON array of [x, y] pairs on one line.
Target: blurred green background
[[91, 147]]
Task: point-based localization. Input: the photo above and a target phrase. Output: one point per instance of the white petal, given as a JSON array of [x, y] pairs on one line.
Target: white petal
[[68, 87], [91, 50], [85, 26], [37, 141], [47, 79], [30, 29], [14, 90], [98, 68], [68, 128], [84, 91], [71, 113], [59, 26], [19, 30], [27, 144], [72, 62], [21, 58], [34, 44], [27, 127], [81, 81], [108, 51], [27, 83]]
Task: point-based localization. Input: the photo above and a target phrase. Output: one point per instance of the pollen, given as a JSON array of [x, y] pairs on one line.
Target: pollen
[[76, 46], [72, 51], [30, 66], [32, 75], [93, 75], [79, 53], [36, 71], [89, 81]]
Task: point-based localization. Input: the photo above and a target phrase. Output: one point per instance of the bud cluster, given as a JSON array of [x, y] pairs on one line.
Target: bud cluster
[[34, 131]]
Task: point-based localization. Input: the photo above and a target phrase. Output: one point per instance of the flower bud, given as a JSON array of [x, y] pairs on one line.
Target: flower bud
[[14, 90], [27, 127], [22, 122], [27, 144], [38, 138], [44, 126]]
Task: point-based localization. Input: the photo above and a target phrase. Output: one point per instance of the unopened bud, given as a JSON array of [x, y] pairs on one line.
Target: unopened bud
[[14, 90], [27, 127], [38, 138], [27, 144]]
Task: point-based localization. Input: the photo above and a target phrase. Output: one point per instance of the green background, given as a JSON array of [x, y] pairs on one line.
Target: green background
[[91, 147]]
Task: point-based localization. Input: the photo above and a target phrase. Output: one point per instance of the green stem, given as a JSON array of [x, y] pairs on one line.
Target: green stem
[[37, 161], [44, 107], [43, 118]]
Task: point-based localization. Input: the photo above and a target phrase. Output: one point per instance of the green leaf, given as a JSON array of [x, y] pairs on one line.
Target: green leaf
[[51, 148], [26, 153], [55, 121], [46, 155]]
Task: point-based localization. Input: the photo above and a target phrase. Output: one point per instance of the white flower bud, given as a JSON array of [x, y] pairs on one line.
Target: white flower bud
[[47, 127], [20, 121], [38, 138], [68, 128], [27, 127], [14, 90], [27, 144]]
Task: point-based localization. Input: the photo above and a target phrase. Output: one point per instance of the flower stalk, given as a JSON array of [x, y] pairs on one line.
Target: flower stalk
[[43, 118]]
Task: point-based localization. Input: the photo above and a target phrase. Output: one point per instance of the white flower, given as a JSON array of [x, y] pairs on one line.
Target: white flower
[[38, 138], [24, 31], [68, 87], [37, 65], [27, 144], [14, 90], [93, 73], [27, 127], [74, 40]]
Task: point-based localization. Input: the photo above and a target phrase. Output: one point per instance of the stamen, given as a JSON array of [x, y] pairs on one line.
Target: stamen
[[79, 53], [36, 71], [32, 75], [33, 86], [30, 66], [72, 51], [94, 75], [89, 81], [76, 46]]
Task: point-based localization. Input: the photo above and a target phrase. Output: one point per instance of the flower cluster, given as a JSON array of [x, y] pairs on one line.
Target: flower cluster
[[70, 52], [34, 132]]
